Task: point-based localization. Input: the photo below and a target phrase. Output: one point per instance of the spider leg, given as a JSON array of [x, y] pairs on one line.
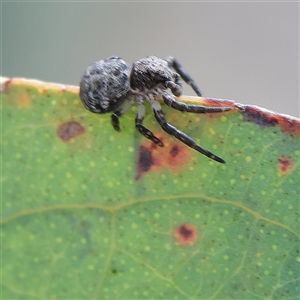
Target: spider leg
[[174, 63], [159, 116], [140, 112], [120, 111], [198, 109]]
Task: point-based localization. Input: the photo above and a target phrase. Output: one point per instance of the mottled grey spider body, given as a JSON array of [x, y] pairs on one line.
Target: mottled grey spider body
[[112, 86], [105, 85]]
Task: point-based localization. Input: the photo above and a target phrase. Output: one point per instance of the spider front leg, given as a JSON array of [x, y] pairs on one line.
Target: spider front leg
[[159, 116], [174, 63], [140, 112], [193, 108]]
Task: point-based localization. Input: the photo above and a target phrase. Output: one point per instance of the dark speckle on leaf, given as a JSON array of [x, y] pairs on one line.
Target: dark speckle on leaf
[[174, 151], [145, 159], [185, 232], [284, 164]]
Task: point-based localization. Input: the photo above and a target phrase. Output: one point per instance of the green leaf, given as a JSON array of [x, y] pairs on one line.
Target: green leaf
[[92, 213]]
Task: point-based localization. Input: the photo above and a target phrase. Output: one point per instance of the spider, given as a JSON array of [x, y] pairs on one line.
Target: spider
[[111, 85]]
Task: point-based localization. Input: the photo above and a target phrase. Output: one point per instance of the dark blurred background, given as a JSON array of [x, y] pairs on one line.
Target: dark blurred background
[[247, 52]]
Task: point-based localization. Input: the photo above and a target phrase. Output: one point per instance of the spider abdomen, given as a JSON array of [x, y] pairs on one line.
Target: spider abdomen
[[105, 85]]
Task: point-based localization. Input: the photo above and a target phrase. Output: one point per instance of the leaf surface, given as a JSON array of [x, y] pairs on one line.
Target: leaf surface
[[92, 213]]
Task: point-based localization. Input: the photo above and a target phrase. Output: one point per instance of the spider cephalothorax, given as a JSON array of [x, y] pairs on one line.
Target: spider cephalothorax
[[112, 86], [150, 72]]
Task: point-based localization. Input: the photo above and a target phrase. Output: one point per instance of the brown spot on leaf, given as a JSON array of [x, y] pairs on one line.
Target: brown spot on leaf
[[152, 158], [177, 157], [147, 160], [267, 118], [284, 164], [290, 125], [5, 83], [259, 117], [174, 151], [70, 130], [186, 234]]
